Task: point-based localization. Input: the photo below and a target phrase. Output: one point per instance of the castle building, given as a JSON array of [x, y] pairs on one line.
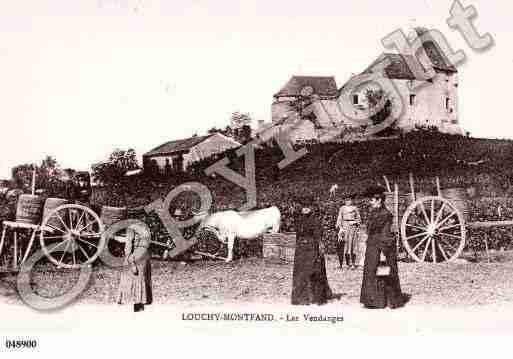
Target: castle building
[[424, 83]]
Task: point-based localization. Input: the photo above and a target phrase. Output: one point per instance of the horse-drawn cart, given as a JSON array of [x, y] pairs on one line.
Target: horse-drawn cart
[[433, 228]]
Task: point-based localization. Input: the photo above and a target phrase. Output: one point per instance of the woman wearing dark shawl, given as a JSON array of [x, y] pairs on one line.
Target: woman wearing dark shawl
[[309, 281], [380, 291]]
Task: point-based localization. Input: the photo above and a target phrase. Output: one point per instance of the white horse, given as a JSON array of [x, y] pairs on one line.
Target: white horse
[[228, 225]]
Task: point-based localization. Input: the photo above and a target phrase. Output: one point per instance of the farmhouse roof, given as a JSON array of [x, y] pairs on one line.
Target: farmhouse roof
[[177, 146], [434, 52], [322, 86], [401, 67], [187, 144]]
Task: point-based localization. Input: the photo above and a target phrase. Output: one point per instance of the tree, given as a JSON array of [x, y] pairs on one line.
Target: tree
[[111, 174], [240, 127], [214, 130], [49, 176], [238, 120], [22, 175], [243, 134], [114, 169], [375, 98]]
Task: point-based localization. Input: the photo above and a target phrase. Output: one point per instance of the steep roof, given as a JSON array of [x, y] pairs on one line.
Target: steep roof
[[322, 86], [401, 67], [434, 52], [177, 146]]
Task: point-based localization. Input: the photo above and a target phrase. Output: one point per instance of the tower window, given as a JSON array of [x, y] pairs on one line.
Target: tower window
[[355, 99], [447, 103], [412, 99]]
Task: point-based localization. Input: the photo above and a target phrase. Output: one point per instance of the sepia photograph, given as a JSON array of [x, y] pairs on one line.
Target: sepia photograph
[[213, 168]]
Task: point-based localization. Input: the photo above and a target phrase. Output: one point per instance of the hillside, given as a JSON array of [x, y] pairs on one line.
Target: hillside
[[458, 162]]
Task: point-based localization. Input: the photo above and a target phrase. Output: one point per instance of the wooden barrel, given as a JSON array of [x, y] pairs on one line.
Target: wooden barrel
[[279, 247], [472, 192], [29, 209], [111, 215], [404, 200], [422, 194], [50, 205], [458, 198]]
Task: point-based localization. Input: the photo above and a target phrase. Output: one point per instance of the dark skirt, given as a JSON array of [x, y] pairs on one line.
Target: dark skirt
[[309, 280], [377, 291]]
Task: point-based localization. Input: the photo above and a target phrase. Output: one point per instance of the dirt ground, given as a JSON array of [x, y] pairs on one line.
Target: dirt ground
[[452, 298], [255, 280]]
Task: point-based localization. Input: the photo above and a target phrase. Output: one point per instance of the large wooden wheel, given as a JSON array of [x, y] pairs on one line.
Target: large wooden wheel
[[433, 230], [71, 236]]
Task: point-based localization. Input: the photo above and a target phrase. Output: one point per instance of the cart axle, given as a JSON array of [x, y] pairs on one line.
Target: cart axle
[[487, 224]]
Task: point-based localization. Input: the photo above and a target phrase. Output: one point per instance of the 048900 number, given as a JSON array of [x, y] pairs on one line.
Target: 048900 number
[[20, 344]]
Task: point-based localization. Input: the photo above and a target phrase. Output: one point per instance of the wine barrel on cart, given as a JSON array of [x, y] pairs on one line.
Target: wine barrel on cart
[[458, 198], [50, 205], [109, 216], [29, 209]]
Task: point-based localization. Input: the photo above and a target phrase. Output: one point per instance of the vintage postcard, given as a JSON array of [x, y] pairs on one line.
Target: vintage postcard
[[270, 170]]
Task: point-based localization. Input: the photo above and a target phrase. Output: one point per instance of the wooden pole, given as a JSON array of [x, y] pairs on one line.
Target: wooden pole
[[412, 188], [396, 215], [438, 188], [34, 181], [487, 250], [387, 184], [206, 254]]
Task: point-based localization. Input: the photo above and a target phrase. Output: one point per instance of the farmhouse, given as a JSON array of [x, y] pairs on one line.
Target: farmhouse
[[426, 100], [288, 103], [175, 156]]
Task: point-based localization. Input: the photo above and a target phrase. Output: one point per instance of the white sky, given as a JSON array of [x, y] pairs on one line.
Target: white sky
[[79, 78]]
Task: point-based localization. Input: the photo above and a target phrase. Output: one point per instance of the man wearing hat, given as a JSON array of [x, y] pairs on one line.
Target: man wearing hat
[[380, 290]]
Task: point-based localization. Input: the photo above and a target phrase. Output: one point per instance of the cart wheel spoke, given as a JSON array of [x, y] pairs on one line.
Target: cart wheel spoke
[[417, 235], [417, 227], [426, 249], [449, 227], [79, 220], [448, 244], [450, 235], [420, 243], [83, 251], [432, 219], [87, 242], [55, 228], [443, 252], [439, 214], [433, 248], [54, 246], [429, 243], [447, 218], [80, 249], [70, 219], [86, 226], [54, 237], [423, 209], [63, 253], [62, 221]]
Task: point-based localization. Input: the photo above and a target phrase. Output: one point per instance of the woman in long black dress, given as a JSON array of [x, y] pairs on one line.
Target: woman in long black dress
[[380, 291], [309, 281]]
